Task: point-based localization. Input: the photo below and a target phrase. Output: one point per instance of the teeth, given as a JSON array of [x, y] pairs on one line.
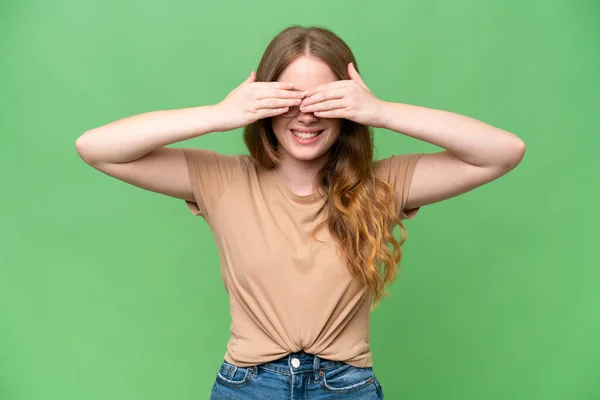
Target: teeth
[[305, 135]]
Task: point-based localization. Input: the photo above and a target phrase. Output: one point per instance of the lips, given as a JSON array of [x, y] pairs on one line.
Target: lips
[[308, 130], [306, 134]]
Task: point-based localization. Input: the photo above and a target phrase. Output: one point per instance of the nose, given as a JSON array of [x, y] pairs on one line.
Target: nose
[[307, 118]]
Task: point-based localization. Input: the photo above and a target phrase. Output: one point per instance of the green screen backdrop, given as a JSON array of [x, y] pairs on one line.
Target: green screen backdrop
[[111, 292]]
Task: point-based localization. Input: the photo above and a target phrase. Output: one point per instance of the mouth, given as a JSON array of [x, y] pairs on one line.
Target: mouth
[[306, 136]]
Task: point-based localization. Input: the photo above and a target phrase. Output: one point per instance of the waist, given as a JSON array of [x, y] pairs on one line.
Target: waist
[[295, 363]]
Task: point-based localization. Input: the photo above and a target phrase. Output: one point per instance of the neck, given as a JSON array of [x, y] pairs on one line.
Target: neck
[[298, 174]]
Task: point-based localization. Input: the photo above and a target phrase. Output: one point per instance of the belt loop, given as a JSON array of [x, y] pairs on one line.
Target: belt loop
[[316, 368]]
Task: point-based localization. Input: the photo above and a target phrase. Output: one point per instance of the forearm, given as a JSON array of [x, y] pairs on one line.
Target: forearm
[[470, 140], [130, 138]]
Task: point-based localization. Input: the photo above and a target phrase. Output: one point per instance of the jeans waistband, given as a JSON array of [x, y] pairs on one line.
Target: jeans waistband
[[295, 363]]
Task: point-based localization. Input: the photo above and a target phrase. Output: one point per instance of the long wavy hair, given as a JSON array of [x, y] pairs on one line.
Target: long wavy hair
[[360, 212]]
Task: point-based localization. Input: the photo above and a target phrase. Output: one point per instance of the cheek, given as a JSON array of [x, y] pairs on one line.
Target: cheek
[[278, 125], [335, 127]]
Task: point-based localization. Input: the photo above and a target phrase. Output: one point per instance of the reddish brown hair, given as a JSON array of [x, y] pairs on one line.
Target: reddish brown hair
[[359, 206]]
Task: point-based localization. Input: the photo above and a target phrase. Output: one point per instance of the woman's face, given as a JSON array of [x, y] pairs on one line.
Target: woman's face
[[295, 130]]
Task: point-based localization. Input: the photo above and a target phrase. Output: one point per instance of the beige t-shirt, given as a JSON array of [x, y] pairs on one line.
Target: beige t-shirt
[[287, 292]]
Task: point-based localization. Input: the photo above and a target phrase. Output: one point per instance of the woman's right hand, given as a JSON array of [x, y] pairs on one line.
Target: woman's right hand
[[252, 101]]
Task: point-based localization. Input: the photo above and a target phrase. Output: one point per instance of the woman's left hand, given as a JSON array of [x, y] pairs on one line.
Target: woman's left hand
[[349, 99]]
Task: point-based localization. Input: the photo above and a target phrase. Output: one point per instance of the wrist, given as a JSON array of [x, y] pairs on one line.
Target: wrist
[[212, 118], [383, 112]]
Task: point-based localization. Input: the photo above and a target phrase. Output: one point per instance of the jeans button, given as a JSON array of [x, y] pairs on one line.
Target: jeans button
[[295, 362]]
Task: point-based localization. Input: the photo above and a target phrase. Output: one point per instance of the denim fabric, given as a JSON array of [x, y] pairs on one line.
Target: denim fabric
[[297, 376]]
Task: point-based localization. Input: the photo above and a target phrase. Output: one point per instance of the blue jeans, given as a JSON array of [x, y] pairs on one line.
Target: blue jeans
[[297, 376]]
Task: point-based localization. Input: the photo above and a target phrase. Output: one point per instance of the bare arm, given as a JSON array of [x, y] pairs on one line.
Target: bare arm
[[131, 138], [475, 153], [133, 149]]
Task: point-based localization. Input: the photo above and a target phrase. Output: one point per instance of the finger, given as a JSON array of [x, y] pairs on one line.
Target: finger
[[251, 78], [331, 85], [330, 94], [271, 112], [275, 85], [279, 93], [276, 103], [338, 113], [324, 106], [355, 76]]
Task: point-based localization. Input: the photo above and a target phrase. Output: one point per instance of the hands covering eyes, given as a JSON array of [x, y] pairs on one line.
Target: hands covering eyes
[[350, 99], [251, 101]]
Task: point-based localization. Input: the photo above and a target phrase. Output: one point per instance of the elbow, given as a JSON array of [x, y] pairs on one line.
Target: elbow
[[83, 148], [514, 154]]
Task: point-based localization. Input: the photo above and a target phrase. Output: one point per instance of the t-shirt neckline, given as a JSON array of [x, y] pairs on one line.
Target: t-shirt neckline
[[309, 198]]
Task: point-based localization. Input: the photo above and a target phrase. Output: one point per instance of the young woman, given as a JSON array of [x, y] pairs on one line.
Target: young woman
[[303, 223]]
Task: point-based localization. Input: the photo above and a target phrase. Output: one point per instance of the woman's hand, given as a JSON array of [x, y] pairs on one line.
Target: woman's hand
[[349, 99], [252, 101]]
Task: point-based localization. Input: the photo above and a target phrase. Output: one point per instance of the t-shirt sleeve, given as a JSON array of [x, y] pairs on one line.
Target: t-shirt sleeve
[[398, 171], [210, 173]]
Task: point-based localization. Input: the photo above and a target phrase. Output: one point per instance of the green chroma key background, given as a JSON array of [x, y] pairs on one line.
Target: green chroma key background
[[110, 292]]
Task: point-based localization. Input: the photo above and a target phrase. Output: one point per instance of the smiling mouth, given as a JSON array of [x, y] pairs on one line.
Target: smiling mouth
[[306, 135]]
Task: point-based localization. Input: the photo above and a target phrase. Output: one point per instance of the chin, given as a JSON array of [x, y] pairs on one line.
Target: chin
[[306, 155], [302, 153]]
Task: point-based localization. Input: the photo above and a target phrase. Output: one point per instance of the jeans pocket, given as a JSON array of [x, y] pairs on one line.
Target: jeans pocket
[[233, 376], [347, 378]]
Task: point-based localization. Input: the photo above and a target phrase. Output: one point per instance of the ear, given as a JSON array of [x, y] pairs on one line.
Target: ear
[[355, 76]]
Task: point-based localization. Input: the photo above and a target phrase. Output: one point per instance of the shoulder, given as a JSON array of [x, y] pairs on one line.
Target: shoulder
[[396, 165], [398, 171], [214, 160]]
